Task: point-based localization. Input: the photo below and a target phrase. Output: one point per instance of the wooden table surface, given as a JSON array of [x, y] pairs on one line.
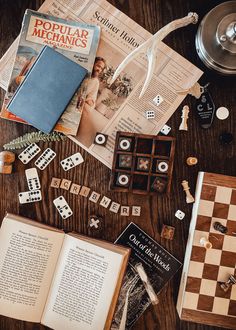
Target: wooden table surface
[[204, 144]]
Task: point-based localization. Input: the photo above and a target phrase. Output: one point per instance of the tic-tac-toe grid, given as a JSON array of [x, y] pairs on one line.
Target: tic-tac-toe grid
[[207, 268]]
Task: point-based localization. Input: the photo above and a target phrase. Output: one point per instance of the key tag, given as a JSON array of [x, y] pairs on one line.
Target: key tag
[[205, 108]]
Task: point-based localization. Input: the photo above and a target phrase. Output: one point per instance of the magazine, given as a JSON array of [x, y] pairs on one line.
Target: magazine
[[117, 107], [158, 264], [76, 41]]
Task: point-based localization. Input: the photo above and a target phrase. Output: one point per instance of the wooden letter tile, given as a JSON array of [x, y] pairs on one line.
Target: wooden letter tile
[[114, 207], [84, 191], [136, 211], [124, 211], [74, 189], [105, 201], [65, 184], [55, 183], [94, 197]]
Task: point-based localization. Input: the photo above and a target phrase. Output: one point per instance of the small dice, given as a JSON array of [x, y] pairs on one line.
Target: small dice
[[179, 214], [150, 114]]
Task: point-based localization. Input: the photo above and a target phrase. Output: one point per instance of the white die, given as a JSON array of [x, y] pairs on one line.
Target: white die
[[165, 129], [179, 214]]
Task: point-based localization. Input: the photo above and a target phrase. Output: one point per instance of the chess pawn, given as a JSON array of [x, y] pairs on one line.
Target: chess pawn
[[191, 161], [189, 197], [204, 242], [184, 126], [225, 286], [219, 227]]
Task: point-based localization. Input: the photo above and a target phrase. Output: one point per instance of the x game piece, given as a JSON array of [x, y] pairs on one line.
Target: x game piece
[[32, 179], [231, 281], [62, 207], [189, 197], [125, 161], [125, 144], [136, 211], [150, 114], [159, 185], [191, 161], [167, 232], [65, 184], [94, 197], [30, 196], [179, 214], [204, 242], [143, 164], [222, 113], [72, 161], [219, 227], [114, 207], [124, 211], [84, 191], [123, 180], [45, 159], [29, 153], [55, 183], [75, 188], [165, 129], [94, 222], [158, 100], [105, 201], [162, 166], [183, 126], [100, 139]]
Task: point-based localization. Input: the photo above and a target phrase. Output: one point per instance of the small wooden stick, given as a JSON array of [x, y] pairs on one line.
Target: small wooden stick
[[189, 197]]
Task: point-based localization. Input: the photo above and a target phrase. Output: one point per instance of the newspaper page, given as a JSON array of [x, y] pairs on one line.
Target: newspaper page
[[117, 107]]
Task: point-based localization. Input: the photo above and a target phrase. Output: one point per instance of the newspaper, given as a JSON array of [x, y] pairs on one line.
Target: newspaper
[[117, 106]]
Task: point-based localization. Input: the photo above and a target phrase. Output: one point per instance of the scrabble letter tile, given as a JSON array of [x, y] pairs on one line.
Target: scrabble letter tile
[[55, 183], [84, 191], [74, 189], [65, 184], [114, 207], [124, 211], [136, 211], [105, 201], [94, 197]]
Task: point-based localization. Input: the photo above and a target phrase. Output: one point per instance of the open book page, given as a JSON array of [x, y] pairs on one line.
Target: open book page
[[28, 256], [83, 287]]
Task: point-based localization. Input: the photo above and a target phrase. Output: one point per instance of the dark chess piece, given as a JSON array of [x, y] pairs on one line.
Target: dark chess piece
[[225, 286], [219, 227]]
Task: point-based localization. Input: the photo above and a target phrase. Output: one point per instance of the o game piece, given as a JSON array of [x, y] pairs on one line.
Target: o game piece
[[179, 214], [162, 166], [222, 113], [125, 144], [123, 180], [167, 232], [100, 139]]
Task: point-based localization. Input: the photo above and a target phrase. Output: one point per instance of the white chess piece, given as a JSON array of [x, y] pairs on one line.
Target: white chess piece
[[204, 242], [184, 126], [189, 197]]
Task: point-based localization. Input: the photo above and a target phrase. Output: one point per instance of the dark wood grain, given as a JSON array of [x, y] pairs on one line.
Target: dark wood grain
[[204, 144]]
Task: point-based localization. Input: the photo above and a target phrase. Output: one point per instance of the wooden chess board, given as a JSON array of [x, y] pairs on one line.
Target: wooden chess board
[[200, 297]]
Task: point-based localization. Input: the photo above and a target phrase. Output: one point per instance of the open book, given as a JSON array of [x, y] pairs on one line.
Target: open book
[[64, 281]]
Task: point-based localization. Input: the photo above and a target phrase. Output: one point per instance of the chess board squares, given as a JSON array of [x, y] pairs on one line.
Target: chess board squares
[[223, 195], [220, 210], [208, 192], [220, 306], [233, 197], [195, 269], [140, 182], [210, 272], [229, 243], [224, 272], [143, 164], [222, 221], [205, 208], [124, 161], [205, 303], [198, 253], [203, 223], [228, 258], [231, 225], [208, 287], [213, 256], [144, 146], [193, 284], [197, 236], [232, 308], [190, 300], [232, 212], [221, 293], [233, 292], [216, 240]]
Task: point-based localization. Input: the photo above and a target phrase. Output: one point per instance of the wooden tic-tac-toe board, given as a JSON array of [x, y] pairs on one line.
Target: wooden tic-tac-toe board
[[201, 298], [142, 164]]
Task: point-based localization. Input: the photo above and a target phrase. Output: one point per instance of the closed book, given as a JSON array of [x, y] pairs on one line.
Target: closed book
[[47, 89]]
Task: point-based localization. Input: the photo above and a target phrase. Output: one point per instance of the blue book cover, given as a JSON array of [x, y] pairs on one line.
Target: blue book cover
[[47, 89]]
